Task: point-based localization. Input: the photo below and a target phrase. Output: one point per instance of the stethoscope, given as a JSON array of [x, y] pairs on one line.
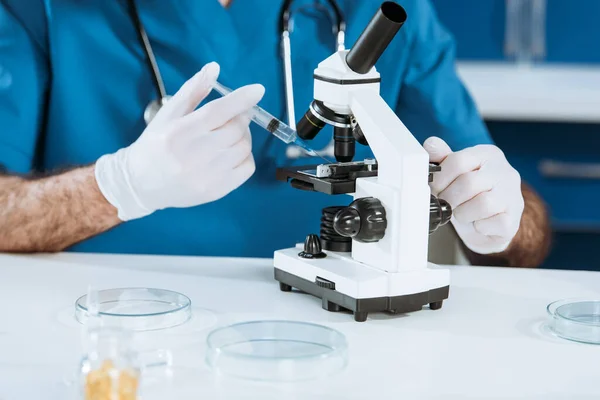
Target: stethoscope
[[155, 105], [285, 27]]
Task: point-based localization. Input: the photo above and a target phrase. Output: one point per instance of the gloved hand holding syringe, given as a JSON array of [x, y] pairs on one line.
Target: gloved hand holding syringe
[[275, 126]]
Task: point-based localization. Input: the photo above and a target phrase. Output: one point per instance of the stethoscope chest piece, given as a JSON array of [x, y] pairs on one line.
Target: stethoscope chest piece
[[153, 108]]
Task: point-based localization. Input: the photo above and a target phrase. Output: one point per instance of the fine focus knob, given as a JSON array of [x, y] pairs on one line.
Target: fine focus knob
[[347, 222], [312, 247], [364, 220], [440, 212]]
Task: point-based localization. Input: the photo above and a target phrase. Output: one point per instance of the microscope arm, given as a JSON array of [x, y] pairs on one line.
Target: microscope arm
[[401, 185], [401, 159]]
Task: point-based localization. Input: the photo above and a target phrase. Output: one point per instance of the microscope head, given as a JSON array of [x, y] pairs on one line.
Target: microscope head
[[344, 71]]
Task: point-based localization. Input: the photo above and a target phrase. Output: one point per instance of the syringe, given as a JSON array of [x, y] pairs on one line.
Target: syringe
[[273, 125]]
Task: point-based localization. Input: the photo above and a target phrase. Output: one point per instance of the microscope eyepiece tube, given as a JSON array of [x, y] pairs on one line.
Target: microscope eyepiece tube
[[376, 37]]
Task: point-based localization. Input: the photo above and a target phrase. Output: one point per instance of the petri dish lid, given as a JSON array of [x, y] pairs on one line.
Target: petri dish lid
[[276, 351], [575, 319], [137, 309]]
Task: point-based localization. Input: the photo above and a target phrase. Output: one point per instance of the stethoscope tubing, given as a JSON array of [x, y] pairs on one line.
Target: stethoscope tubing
[[339, 30], [150, 57], [284, 27]]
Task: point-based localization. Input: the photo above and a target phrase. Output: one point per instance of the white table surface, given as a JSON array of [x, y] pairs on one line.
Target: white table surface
[[487, 342], [545, 92]]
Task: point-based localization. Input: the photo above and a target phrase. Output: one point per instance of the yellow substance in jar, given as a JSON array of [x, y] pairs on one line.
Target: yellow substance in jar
[[109, 383]]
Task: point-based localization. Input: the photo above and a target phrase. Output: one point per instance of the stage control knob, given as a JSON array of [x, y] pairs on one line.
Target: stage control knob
[[312, 247], [364, 220]]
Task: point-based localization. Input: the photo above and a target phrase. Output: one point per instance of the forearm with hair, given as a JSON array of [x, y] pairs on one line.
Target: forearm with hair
[[51, 213], [531, 245]]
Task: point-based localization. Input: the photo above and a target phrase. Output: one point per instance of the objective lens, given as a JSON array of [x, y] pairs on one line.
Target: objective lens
[[309, 126], [344, 144], [359, 135]]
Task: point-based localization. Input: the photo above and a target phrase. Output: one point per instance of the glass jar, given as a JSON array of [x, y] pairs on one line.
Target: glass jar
[[109, 369]]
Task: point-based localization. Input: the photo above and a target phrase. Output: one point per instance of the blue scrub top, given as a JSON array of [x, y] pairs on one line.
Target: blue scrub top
[[74, 85]]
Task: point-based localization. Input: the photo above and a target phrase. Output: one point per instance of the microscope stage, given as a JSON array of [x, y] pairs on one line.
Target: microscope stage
[[335, 178], [343, 283]]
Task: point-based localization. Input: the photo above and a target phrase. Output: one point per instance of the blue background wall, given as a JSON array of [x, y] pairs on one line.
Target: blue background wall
[[573, 31], [573, 37]]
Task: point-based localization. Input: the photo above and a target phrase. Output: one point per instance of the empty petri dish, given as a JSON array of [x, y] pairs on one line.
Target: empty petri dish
[[276, 351], [575, 319], [137, 309]]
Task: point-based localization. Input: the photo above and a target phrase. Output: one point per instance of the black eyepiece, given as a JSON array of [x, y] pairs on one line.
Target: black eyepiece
[[373, 41], [393, 12]]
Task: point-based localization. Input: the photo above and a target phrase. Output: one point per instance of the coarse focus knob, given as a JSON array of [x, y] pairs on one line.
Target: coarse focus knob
[[312, 247], [364, 220]]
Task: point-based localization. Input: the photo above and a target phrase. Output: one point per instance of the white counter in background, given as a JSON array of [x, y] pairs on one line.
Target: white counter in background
[[551, 93]]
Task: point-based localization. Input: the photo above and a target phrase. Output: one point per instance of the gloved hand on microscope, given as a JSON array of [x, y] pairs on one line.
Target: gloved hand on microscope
[[485, 192]]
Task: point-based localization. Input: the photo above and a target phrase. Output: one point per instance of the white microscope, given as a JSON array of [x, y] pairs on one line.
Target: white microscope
[[371, 256]]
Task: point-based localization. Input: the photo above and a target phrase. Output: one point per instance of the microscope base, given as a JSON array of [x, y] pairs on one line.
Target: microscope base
[[345, 285]]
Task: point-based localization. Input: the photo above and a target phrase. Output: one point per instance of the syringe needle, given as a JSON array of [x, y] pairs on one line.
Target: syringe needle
[[309, 150]]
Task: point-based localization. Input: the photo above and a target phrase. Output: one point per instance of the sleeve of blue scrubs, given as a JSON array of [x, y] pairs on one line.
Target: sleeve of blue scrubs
[[433, 100], [23, 82]]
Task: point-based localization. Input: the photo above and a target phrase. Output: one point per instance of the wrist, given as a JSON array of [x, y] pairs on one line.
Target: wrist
[[98, 196], [477, 242], [114, 184], [488, 250]]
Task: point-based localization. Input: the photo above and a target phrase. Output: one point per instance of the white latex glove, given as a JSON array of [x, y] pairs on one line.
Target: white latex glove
[[185, 157], [484, 191]]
